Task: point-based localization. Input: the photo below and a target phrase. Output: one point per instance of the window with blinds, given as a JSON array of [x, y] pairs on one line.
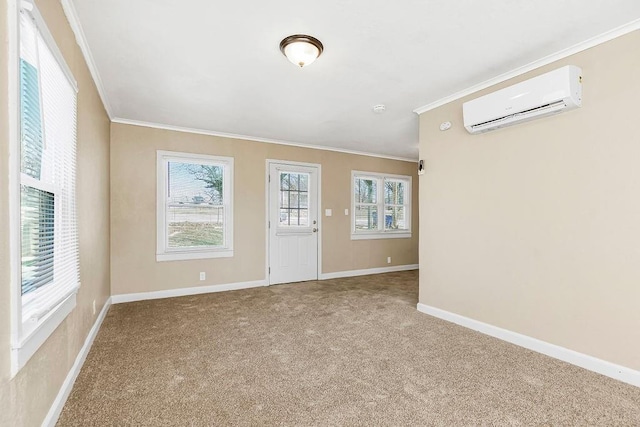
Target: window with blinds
[[195, 202], [49, 273], [381, 206]]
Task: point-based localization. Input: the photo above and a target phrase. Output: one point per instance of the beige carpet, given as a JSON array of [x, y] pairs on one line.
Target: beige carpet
[[340, 352]]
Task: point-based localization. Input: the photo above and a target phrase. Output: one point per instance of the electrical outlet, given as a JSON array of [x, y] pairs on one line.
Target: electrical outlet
[[346, 211], [94, 306], [388, 260], [203, 275]]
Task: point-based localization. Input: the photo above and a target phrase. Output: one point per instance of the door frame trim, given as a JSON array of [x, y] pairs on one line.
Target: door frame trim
[[268, 164]]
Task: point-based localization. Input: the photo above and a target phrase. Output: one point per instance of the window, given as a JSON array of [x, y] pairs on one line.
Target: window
[[195, 202], [381, 206], [47, 250]]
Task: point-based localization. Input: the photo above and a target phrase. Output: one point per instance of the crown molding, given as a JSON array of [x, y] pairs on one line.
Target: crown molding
[[74, 21], [255, 138], [589, 43]]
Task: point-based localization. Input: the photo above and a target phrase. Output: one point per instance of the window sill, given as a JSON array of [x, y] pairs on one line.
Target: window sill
[[184, 256], [388, 235], [28, 346]]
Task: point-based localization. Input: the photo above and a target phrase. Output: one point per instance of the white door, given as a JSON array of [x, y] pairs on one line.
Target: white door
[[293, 222]]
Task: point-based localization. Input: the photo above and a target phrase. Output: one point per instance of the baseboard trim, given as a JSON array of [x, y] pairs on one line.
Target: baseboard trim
[[65, 390], [618, 372], [181, 292], [367, 271]]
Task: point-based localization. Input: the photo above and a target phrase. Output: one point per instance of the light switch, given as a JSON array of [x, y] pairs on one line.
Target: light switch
[[346, 211], [327, 212]]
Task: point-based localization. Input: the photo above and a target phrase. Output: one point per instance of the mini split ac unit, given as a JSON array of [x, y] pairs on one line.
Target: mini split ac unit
[[551, 93]]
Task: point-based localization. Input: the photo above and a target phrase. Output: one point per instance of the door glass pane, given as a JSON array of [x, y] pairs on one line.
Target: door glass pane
[[284, 217], [284, 181], [195, 212], [294, 199], [365, 190], [37, 221], [294, 180], [284, 199], [293, 216], [303, 217], [304, 182], [366, 217]]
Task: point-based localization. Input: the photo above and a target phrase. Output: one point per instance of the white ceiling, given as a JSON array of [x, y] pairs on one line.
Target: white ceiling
[[216, 65]]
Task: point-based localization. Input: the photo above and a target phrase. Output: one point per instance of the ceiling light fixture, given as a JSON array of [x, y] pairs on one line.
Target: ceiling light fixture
[[301, 49]]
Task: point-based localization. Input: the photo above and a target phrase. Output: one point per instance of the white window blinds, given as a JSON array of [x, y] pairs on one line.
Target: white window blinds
[[48, 226]]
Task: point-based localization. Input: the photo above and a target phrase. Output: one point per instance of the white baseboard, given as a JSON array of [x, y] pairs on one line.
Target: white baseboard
[[56, 408], [585, 361], [367, 271], [180, 292]]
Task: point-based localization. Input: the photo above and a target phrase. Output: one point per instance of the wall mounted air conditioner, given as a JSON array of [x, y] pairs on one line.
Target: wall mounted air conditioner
[[551, 93]]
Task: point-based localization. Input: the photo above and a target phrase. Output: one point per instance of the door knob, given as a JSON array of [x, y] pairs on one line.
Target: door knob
[[315, 229]]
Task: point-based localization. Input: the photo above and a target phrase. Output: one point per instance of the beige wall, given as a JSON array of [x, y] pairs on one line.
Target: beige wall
[[536, 228], [25, 400], [133, 211]]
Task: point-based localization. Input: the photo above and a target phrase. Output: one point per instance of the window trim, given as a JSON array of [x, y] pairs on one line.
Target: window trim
[[380, 233], [164, 253], [27, 339]]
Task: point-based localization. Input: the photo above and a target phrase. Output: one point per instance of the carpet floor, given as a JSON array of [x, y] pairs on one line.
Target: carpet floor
[[348, 351]]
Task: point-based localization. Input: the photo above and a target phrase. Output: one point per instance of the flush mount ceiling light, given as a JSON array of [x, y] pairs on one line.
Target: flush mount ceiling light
[[301, 49]]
